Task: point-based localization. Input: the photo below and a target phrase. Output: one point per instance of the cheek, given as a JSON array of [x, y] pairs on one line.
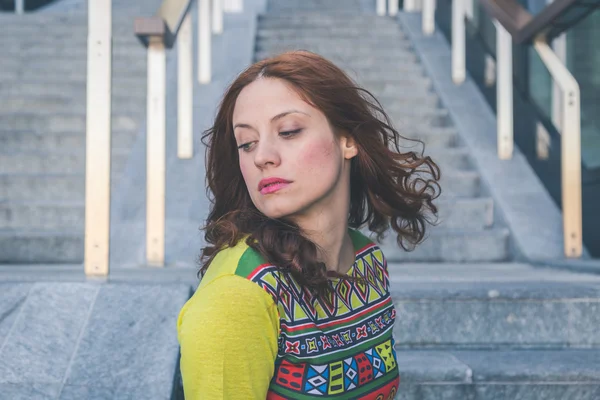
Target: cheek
[[246, 170], [317, 156]]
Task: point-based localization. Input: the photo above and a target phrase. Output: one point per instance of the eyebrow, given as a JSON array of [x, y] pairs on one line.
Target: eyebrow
[[275, 118]]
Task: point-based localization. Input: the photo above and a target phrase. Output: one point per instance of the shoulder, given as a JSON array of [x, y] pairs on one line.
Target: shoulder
[[227, 287]]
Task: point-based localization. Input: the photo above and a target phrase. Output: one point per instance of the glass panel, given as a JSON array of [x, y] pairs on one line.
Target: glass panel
[[540, 83], [487, 30], [583, 60]]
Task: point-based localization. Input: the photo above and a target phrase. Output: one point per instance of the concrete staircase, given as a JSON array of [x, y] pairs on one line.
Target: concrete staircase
[[470, 325], [42, 127]]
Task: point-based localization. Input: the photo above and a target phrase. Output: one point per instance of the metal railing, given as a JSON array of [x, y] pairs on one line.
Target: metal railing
[[514, 24], [171, 24]]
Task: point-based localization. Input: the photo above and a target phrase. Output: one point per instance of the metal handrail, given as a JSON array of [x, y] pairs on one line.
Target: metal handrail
[[515, 24], [524, 28]]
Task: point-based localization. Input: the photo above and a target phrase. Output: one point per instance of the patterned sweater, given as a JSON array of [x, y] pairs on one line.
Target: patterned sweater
[[252, 332]]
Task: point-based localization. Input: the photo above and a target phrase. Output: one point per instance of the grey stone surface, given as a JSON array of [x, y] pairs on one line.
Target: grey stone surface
[[523, 202], [533, 366], [46, 332], [432, 366], [29, 391], [129, 343], [12, 299], [493, 306]]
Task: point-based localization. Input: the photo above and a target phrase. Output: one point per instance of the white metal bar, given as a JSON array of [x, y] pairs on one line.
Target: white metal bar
[[410, 5], [155, 153], [504, 92], [570, 148], [204, 42], [469, 9], [559, 46], [98, 129], [19, 6], [185, 84], [542, 142], [381, 8], [489, 74], [217, 16], [233, 6], [428, 17], [458, 42], [393, 7]]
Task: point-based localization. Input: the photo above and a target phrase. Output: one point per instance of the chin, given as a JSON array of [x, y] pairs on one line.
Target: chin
[[277, 209]]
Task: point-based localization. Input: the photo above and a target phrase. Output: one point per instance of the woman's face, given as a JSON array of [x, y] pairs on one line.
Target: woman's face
[[283, 139]]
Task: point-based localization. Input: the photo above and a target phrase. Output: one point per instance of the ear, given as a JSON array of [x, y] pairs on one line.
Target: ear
[[349, 147]]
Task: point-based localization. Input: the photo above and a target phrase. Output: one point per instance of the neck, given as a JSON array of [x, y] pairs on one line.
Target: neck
[[328, 229]]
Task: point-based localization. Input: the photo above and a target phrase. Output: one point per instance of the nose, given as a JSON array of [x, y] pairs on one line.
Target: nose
[[266, 153]]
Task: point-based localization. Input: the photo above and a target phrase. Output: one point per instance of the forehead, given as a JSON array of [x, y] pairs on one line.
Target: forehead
[[265, 98]]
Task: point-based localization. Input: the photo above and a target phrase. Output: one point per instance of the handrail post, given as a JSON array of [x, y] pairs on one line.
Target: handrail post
[[185, 85], [458, 42], [98, 130], [410, 5], [155, 152], [234, 6], [504, 92], [393, 7], [19, 6], [381, 8], [428, 17], [217, 16], [204, 42], [570, 141]]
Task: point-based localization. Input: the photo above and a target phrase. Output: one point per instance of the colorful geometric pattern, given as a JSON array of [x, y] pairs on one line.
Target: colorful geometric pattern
[[345, 350]]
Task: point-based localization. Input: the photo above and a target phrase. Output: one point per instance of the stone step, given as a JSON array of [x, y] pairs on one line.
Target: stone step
[[415, 84], [396, 58], [342, 42], [287, 32], [331, 49], [15, 140], [58, 335], [408, 119], [449, 157], [42, 215], [43, 122], [77, 75], [381, 70], [493, 305], [47, 186], [499, 374], [434, 139], [66, 161], [28, 37], [37, 246], [67, 51], [137, 65], [403, 99], [453, 245], [464, 213], [66, 89], [67, 103], [307, 20]]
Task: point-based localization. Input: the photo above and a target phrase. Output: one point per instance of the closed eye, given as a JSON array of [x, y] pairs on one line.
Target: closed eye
[[290, 133]]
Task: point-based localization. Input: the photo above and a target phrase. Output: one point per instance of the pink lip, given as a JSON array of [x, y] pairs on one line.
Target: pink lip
[[271, 185]]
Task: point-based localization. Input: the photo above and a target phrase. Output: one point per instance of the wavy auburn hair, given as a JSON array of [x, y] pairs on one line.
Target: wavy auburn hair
[[388, 188]]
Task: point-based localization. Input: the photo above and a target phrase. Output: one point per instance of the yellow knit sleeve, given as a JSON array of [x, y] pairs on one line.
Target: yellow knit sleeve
[[228, 334]]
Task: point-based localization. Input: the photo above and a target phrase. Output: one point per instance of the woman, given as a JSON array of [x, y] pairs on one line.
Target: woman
[[294, 300]]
